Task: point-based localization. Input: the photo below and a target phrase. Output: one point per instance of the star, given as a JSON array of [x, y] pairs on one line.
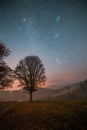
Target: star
[[24, 20], [56, 36]]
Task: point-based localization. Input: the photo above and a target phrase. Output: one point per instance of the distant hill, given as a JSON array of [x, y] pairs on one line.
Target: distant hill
[[75, 91]]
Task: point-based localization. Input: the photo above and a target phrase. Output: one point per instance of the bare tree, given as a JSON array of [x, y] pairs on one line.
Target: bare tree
[[31, 74]]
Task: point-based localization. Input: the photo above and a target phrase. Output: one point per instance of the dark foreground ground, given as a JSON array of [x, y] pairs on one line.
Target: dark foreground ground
[[43, 115]]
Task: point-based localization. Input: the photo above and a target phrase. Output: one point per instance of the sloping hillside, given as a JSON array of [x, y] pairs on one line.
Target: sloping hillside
[[75, 91]]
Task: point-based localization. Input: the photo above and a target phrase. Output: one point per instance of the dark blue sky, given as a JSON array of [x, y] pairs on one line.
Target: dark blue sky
[[55, 30]]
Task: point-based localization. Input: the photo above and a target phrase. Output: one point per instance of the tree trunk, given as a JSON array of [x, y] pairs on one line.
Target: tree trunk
[[31, 99]]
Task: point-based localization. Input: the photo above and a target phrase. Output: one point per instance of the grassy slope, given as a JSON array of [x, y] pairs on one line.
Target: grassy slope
[[43, 115]]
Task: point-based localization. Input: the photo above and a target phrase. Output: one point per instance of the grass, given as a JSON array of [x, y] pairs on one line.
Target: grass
[[43, 115]]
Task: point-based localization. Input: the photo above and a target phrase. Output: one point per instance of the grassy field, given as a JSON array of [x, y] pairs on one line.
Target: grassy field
[[43, 115]]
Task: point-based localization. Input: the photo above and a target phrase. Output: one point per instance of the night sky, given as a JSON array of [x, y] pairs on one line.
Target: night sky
[[54, 30]]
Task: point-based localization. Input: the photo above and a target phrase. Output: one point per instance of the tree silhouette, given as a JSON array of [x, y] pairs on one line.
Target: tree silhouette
[[31, 74], [6, 73], [4, 51]]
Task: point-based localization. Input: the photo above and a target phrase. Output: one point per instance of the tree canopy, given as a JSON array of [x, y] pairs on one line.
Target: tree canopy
[[4, 51], [31, 73], [6, 73]]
